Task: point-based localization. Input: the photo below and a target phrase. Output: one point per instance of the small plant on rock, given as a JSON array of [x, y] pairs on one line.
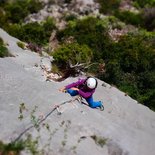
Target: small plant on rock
[[99, 140]]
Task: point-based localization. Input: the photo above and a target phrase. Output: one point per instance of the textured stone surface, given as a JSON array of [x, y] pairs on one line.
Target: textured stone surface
[[128, 127]]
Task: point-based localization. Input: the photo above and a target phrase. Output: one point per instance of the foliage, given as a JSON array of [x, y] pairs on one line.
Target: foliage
[[48, 26], [3, 19], [33, 32], [90, 31], [55, 68], [132, 68], [15, 148], [149, 18], [74, 53], [13, 14], [129, 63], [130, 17], [145, 3], [68, 1], [11, 148], [70, 17], [113, 22], [16, 11], [1, 41], [31, 144], [21, 44], [99, 140], [3, 50], [34, 6], [108, 7]]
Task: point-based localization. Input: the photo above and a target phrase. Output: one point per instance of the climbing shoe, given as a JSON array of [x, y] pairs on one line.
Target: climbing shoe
[[101, 107]]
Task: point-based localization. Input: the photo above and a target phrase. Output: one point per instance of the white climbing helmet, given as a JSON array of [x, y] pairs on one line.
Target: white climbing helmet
[[91, 83]]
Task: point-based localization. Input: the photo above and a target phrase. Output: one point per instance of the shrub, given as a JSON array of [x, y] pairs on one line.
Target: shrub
[[126, 61], [3, 19], [137, 53], [99, 140], [33, 32], [90, 31], [2, 2], [48, 26], [3, 50], [70, 17], [1, 41], [21, 44], [74, 53], [109, 6], [55, 69], [130, 17], [149, 18], [145, 3], [34, 6], [132, 67], [72, 58], [68, 1], [15, 30], [128, 84], [11, 148], [17, 10]]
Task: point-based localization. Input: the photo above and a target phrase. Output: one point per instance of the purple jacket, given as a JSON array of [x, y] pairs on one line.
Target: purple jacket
[[84, 91]]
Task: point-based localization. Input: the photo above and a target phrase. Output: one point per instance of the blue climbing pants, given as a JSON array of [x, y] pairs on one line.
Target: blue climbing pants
[[90, 101]]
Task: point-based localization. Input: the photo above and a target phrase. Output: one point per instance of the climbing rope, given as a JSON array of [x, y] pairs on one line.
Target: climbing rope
[[46, 116]]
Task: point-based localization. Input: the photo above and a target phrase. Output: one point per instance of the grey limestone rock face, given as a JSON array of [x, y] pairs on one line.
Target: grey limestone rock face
[[128, 127]]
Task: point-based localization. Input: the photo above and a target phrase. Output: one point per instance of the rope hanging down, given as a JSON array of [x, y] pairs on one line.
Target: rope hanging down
[[47, 115]]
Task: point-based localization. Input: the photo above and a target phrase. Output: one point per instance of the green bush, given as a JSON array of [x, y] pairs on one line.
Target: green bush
[[145, 3], [68, 1], [17, 10], [149, 18], [2, 2], [48, 26], [3, 18], [129, 63], [15, 148], [11, 148], [33, 32], [15, 30], [90, 31], [100, 141], [3, 50], [132, 67], [34, 6], [130, 17], [70, 17], [21, 44], [73, 53], [108, 7], [137, 53], [1, 41]]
